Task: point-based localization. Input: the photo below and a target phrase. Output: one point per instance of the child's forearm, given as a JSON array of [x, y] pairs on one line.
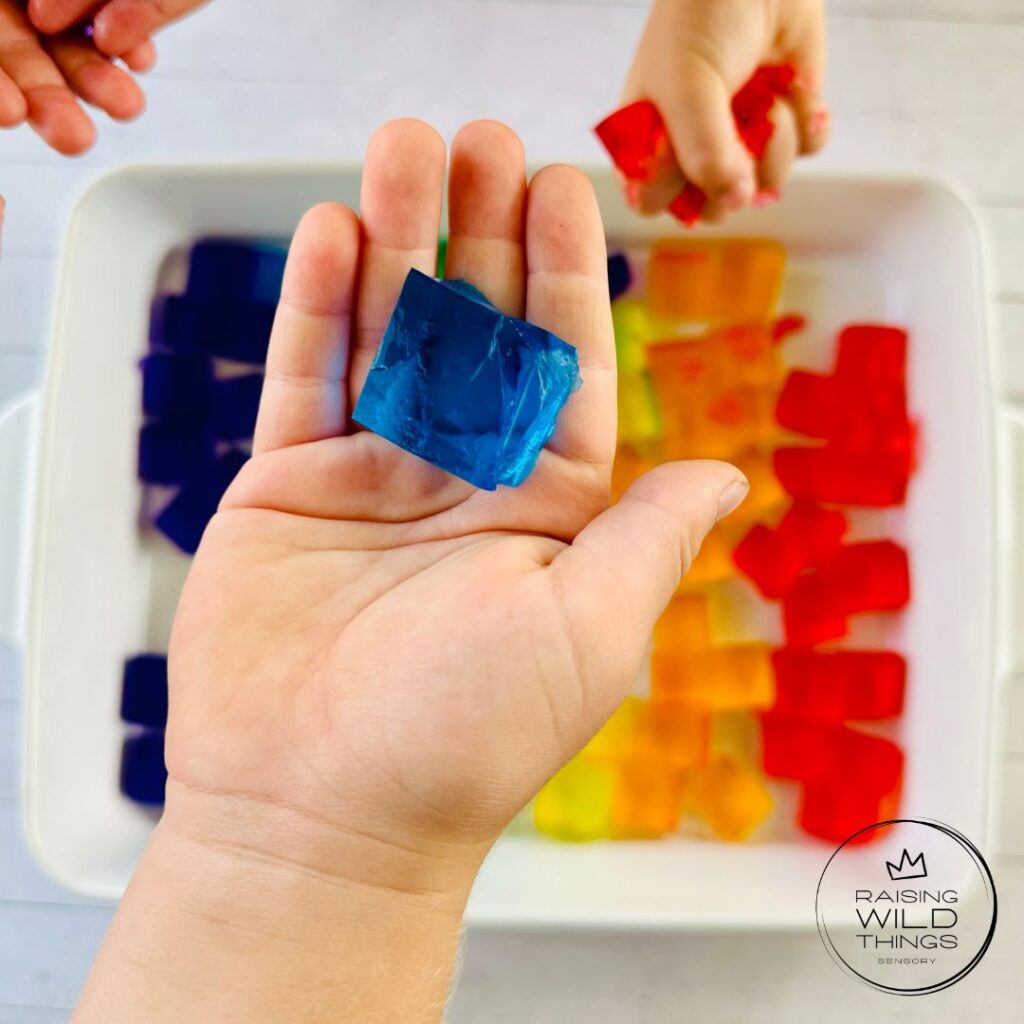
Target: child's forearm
[[213, 929]]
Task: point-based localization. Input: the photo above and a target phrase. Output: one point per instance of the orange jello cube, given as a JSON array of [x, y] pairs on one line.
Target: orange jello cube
[[684, 625], [646, 800], [731, 797], [749, 279], [682, 278], [718, 679]]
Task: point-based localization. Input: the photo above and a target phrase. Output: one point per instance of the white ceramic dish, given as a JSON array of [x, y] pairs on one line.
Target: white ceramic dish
[[860, 248]]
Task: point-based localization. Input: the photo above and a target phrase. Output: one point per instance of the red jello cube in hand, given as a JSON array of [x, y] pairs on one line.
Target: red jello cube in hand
[[636, 140]]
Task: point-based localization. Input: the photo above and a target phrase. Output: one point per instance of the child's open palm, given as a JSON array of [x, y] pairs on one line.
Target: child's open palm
[[368, 647]]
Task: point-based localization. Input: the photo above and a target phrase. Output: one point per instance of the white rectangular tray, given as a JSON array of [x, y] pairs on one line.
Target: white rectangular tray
[[860, 248]]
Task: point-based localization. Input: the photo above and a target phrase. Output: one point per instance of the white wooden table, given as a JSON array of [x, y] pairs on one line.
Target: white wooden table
[[933, 85]]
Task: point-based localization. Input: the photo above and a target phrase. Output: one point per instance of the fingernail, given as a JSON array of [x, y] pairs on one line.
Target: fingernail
[[729, 500], [818, 122], [738, 196], [766, 197]]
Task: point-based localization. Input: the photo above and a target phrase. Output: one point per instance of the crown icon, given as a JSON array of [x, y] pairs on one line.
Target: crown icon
[[906, 867]]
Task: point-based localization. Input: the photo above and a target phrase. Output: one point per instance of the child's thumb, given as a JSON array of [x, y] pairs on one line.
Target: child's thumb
[[622, 569]]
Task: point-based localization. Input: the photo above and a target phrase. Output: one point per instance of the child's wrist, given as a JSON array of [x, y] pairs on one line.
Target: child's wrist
[[242, 911]]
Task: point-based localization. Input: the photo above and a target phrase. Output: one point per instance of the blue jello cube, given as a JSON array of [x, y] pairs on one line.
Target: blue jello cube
[[184, 519], [620, 276], [175, 385], [230, 329], [143, 773], [174, 453], [225, 268], [144, 690], [235, 402], [464, 387]]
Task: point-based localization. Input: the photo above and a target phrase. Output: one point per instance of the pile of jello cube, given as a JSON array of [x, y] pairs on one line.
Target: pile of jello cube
[[200, 388], [749, 688]]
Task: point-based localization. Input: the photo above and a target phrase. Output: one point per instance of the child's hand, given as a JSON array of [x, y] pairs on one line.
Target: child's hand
[[375, 665], [370, 653], [119, 26], [43, 78], [692, 59]]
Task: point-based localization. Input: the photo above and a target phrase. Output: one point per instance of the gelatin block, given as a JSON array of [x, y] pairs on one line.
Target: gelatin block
[[839, 686], [576, 803], [175, 386], [684, 625], [144, 690], [184, 519], [636, 140], [646, 800], [719, 679], [467, 389], [620, 275], [234, 404], [171, 453], [730, 797], [226, 269], [239, 331], [143, 774], [639, 418]]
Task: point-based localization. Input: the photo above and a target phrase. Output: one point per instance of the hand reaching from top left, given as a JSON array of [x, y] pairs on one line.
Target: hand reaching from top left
[[44, 79], [119, 25]]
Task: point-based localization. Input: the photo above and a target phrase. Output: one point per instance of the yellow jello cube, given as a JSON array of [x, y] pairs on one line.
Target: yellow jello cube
[[576, 803], [639, 420]]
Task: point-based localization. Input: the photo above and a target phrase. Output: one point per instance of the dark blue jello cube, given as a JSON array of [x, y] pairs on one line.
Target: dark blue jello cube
[[175, 386], [226, 268], [464, 387], [143, 772], [234, 404], [231, 329], [184, 519], [620, 276], [174, 453], [144, 690]]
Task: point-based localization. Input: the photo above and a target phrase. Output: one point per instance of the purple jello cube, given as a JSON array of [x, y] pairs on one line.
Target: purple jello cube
[[174, 453], [226, 268], [230, 329], [184, 519], [144, 690], [620, 276], [235, 402], [175, 386], [143, 772]]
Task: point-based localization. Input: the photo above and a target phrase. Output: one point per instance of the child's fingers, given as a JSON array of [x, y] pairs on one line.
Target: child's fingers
[[141, 58], [806, 51], [780, 154], [703, 133], [96, 79], [13, 108], [51, 107], [400, 205], [567, 294], [53, 16], [622, 569], [124, 24], [486, 203], [305, 396]]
